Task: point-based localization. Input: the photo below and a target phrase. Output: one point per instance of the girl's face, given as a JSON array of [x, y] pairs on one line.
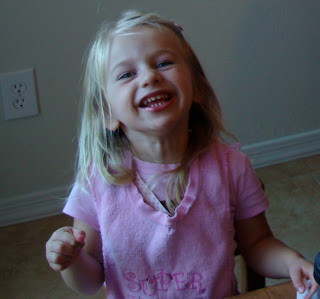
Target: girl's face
[[149, 83]]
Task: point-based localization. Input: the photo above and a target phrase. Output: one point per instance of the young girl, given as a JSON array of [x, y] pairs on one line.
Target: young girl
[[160, 202]]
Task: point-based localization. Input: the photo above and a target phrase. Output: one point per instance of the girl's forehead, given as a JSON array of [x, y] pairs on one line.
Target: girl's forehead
[[147, 35], [142, 42]]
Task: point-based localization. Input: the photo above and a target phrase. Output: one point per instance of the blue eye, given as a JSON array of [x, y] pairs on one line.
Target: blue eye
[[125, 75], [164, 63]]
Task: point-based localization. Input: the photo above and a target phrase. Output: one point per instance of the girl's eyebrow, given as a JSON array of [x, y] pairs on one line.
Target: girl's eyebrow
[[165, 51], [120, 64]]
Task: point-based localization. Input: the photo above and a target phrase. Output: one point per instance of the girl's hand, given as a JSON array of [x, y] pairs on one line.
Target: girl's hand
[[64, 247], [299, 270], [270, 257]]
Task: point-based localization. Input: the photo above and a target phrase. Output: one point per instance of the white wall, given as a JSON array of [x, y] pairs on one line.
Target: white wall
[[262, 58]]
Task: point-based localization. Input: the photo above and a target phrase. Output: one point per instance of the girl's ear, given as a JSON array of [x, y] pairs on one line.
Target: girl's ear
[[196, 99], [196, 95], [112, 124]]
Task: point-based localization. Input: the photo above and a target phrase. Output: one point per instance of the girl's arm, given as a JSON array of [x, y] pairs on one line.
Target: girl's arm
[[86, 274], [268, 256], [76, 252]]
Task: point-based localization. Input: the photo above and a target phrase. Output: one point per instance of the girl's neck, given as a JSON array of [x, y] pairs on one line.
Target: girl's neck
[[164, 150]]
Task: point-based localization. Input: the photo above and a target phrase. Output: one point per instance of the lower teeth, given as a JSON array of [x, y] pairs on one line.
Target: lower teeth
[[157, 104]]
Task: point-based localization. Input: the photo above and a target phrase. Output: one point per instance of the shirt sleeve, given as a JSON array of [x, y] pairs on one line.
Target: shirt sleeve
[[81, 205], [250, 198]]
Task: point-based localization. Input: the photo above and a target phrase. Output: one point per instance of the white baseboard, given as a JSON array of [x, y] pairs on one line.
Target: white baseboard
[[32, 206], [46, 203], [283, 149]]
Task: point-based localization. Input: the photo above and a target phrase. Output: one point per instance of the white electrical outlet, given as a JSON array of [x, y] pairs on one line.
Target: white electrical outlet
[[18, 94]]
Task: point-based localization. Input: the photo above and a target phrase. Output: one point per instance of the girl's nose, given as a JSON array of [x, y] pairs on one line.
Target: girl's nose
[[150, 77]]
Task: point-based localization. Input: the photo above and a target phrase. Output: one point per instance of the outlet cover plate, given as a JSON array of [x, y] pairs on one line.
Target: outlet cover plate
[[18, 94]]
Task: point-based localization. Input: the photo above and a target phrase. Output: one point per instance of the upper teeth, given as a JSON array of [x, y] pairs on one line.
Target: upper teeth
[[152, 99]]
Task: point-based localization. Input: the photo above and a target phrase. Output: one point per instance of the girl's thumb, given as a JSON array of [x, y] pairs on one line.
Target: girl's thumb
[[79, 235], [302, 285]]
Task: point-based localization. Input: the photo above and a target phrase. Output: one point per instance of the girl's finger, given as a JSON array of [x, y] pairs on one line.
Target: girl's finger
[[65, 248], [79, 235], [69, 235]]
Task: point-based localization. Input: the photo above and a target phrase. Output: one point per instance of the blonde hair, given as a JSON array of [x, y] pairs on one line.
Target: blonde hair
[[107, 149]]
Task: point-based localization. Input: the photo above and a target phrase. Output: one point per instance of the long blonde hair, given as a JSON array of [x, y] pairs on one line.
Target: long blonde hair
[[106, 149]]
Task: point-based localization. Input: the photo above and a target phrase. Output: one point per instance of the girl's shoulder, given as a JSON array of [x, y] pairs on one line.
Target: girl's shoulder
[[230, 155], [232, 151]]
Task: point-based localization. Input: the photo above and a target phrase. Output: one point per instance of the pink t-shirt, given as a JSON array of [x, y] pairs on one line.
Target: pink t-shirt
[[149, 254]]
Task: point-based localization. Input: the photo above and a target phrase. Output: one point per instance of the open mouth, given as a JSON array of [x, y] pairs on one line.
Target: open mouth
[[155, 101]]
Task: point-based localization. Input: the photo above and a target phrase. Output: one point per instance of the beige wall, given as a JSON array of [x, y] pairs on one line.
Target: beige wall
[[261, 56]]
